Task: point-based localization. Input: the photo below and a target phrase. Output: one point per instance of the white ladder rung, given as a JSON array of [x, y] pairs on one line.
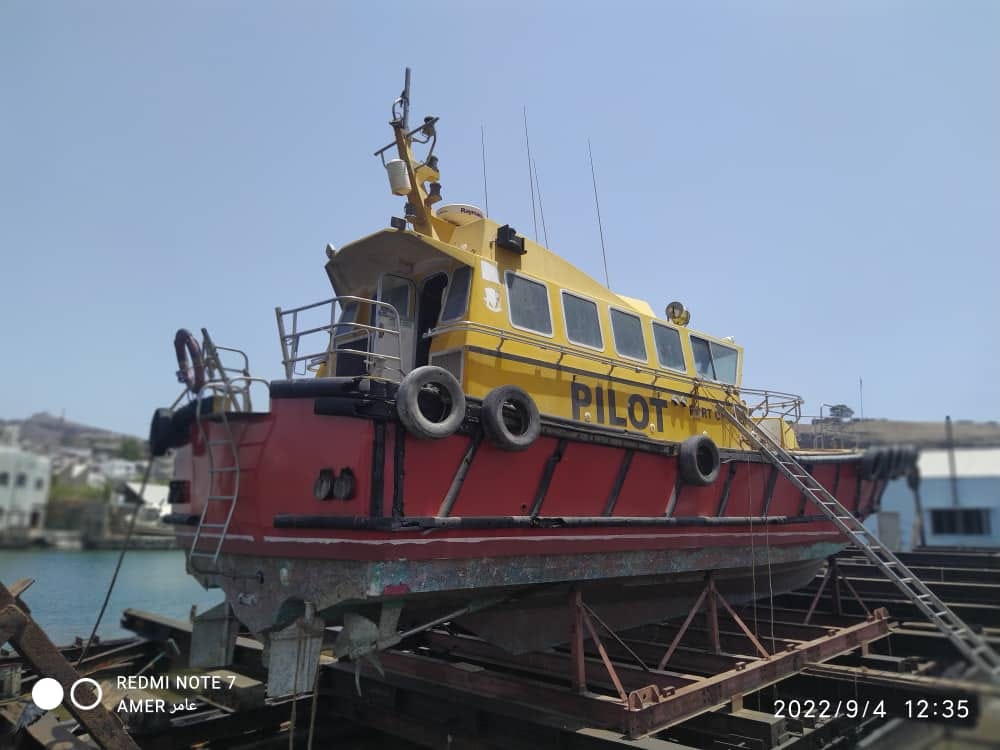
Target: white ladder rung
[[217, 498], [224, 470]]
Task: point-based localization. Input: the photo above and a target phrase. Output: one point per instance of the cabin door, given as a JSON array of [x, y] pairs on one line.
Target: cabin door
[[400, 292], [428, 311]]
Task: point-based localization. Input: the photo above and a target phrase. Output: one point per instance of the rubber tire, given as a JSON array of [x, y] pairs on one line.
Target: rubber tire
[[880, 468], [694, 453], [422, 381], [869, 462], [495, 426], [161, 432], [895, 462]]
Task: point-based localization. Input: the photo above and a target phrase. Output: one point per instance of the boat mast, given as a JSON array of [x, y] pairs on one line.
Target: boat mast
[[420, 197]]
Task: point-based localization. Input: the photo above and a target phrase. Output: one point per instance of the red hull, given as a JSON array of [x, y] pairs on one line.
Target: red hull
[[557, 497]]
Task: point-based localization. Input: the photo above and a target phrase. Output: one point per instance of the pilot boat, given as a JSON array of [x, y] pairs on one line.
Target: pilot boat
[[471, 427]]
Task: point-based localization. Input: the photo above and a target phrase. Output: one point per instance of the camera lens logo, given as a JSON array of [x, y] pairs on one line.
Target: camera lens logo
[[48, 694]]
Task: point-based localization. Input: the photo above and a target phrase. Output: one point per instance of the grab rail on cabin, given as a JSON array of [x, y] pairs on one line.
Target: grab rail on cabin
[[376, 363], [769, 404]]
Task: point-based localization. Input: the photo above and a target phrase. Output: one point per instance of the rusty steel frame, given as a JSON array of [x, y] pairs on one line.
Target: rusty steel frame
[[31, 642], [710, 595], [833, 573], [643, 710]]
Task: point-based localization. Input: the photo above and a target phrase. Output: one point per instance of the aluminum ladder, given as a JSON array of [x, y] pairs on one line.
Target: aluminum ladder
[[972, 645], [202, 545]]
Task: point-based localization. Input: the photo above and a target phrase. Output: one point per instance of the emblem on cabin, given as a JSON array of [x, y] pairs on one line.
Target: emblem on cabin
[[492, 299]]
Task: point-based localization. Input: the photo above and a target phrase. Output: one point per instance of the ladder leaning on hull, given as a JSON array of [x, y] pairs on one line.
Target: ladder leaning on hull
[[972, 645]]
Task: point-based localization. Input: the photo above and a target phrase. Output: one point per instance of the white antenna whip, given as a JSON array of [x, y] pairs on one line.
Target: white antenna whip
[[486, 195], [600, 227], [531, 182]]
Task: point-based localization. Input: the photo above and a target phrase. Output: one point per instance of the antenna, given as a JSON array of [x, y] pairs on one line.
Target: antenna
[[531, 182], [486, 194], [600, 227], [541, 208], [405, 96]]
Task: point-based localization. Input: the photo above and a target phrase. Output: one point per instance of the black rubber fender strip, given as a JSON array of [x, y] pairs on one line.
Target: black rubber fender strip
[[319, 387]]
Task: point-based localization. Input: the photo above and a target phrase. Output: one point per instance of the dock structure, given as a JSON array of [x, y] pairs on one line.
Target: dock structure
[[766, 675]]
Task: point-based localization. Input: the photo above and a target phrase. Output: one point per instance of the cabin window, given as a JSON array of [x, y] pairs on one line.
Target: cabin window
[[714, 361], [724, 358], [965, 521], [582, 323], [39, 483], [457, 299], [398, 292], [348, 315], [627, 330], [668, 347], [529, 304], [4, 478]]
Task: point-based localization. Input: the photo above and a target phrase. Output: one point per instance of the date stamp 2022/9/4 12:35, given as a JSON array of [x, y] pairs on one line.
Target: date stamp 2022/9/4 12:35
[[940, 710]]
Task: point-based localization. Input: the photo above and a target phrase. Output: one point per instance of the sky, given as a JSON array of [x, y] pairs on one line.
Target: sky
[[819, 180]]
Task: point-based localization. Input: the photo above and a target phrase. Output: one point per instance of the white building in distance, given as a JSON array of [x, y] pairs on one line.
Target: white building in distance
[[24, 491]]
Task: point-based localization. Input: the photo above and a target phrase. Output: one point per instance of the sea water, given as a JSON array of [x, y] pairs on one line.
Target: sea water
[[70, 586]]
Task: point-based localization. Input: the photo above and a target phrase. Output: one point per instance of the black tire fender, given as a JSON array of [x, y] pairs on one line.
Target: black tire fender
[[869, 462], [161, 432], [430, 403], [698, 461], [510, 418], [880, 467], [895, 462]]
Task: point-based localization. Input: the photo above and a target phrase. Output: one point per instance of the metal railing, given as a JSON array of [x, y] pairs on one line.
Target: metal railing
[[376, 364], [231, 382]]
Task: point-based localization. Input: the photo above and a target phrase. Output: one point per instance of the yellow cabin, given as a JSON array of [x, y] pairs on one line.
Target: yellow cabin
[[454, 289]]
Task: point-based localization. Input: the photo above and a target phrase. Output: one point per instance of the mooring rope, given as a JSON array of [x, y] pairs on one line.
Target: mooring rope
[[295, 686], [315, 700], [118, 565]]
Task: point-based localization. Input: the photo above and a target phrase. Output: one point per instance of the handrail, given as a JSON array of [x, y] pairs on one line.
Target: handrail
[[227, 390], [787, 404], [290, 341]]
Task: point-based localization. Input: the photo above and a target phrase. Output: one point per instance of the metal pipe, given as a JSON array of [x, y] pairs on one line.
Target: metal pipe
[[952, 473]]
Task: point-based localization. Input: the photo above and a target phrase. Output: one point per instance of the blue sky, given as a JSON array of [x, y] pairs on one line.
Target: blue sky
[[821, 181]]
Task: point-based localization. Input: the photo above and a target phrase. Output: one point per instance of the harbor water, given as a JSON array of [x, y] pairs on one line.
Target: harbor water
[[70, 586]]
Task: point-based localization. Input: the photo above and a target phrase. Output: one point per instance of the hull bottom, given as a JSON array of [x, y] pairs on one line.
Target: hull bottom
[[626, 589], [540, 621]]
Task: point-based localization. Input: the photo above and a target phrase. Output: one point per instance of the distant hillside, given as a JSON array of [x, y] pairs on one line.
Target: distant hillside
[[832, 433], [46, 431]]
